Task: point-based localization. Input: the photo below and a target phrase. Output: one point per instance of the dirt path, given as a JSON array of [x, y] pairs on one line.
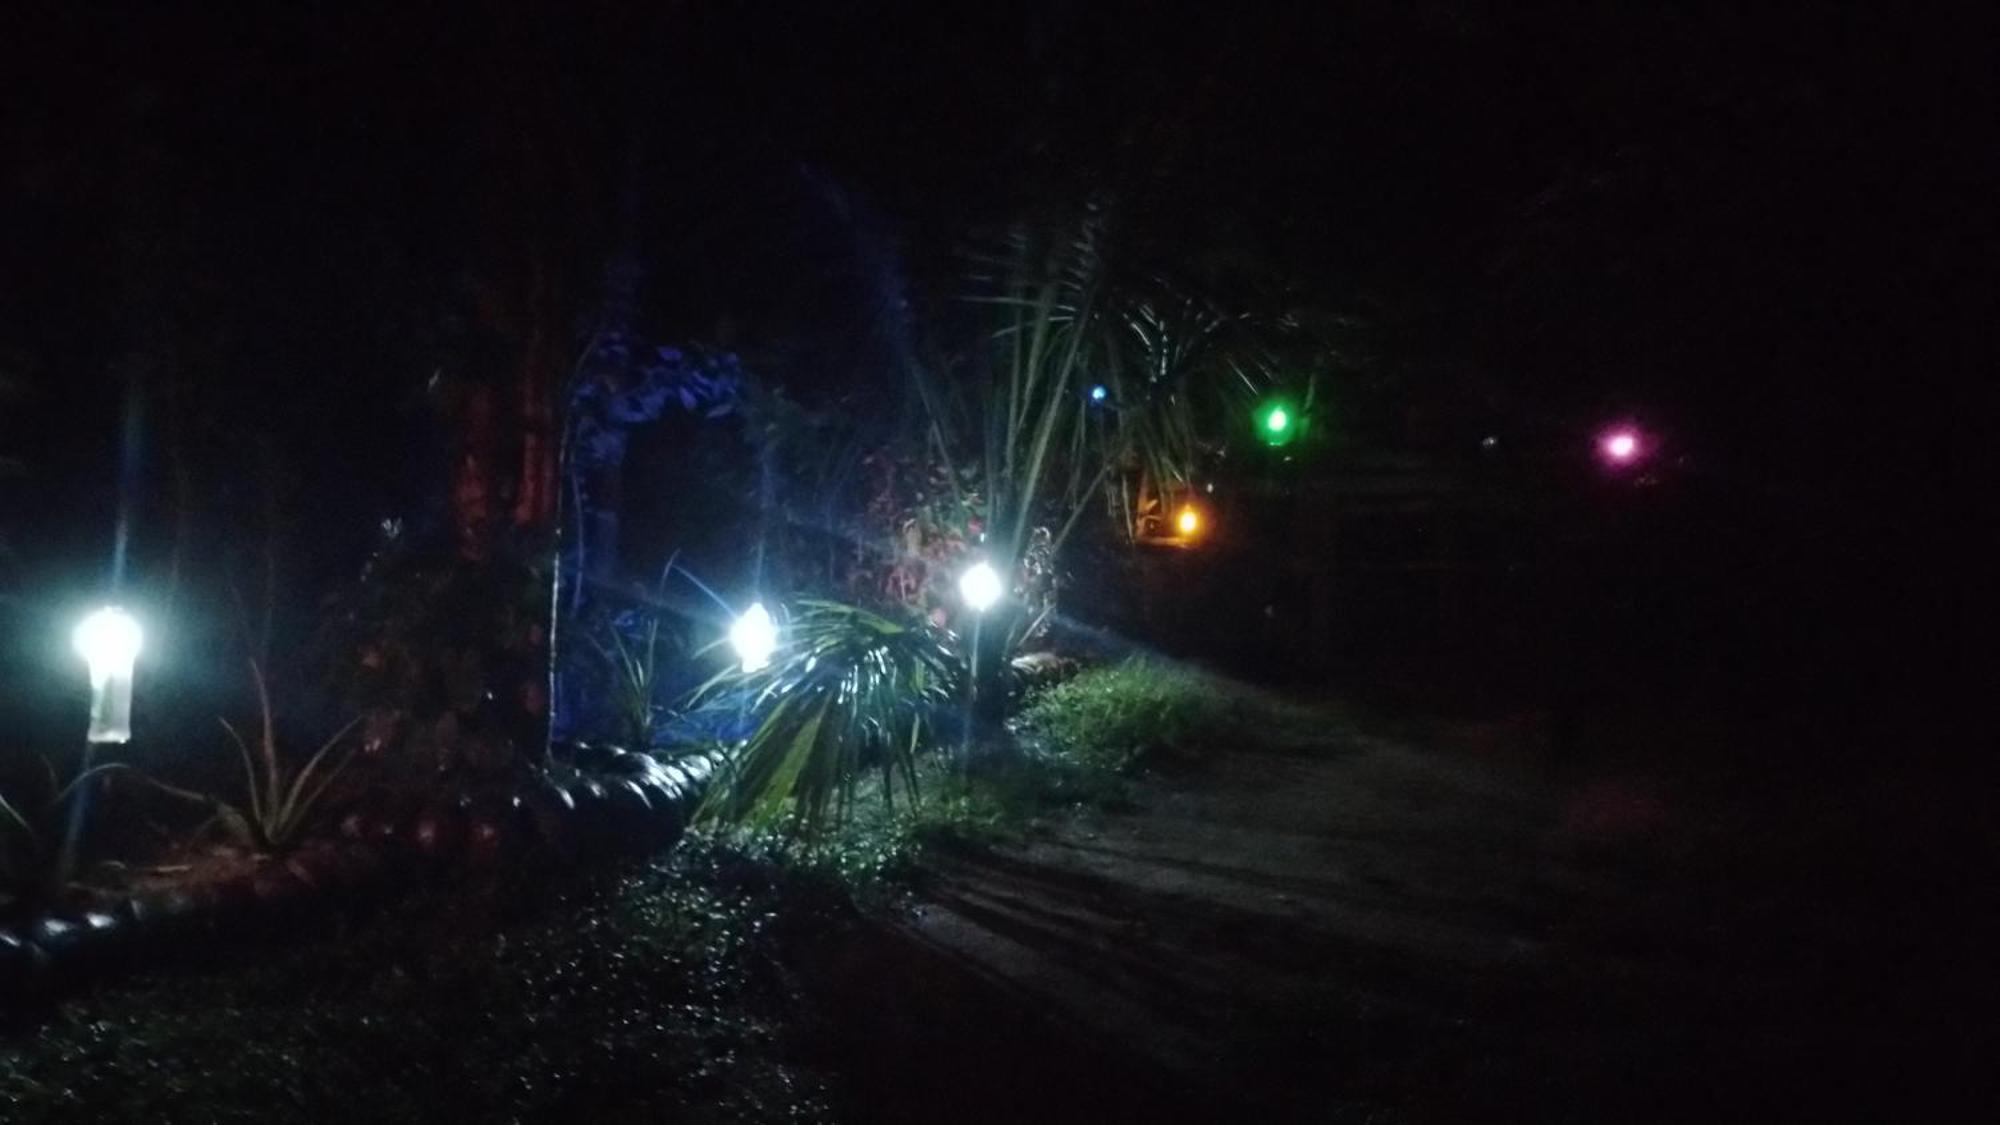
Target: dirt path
[[1361, 931]]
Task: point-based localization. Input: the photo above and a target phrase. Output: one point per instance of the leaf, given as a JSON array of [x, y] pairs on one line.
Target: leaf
[[249, 771], [14, 817], [291, 811], [237, 827], [834, 702]]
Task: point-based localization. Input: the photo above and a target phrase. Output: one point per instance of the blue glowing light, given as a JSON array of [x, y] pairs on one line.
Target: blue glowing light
[[1099, 393]]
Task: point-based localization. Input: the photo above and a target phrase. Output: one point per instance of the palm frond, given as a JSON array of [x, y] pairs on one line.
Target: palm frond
[[849, 691]]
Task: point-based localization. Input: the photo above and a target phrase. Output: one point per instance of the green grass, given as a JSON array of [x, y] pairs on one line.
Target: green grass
[[1136, 712], [869, 856], [653, 990]]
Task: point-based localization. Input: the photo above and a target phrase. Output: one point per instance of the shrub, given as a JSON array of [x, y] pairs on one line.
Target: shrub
[[1117, 716]]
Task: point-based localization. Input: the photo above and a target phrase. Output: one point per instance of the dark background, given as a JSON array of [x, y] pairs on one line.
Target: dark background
[[1763, 234]]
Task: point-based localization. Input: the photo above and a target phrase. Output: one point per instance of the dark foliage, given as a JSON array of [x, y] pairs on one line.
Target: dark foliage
[[444, 656]]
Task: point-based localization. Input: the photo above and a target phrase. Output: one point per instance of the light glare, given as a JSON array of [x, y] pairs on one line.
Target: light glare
[[980, 587], [1189, 521], [1276, 424], [1621, 445], [109, 641], [754, 636]]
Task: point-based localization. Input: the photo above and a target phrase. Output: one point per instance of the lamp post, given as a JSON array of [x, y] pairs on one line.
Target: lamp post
[[108, 640], [981, 588]]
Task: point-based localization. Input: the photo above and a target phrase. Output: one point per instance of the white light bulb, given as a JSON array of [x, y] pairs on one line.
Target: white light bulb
[[980, 587], [754, 636], [109, 641]]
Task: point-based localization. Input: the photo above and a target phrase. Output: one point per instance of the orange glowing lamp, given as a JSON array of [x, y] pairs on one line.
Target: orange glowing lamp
[[1189, 522]]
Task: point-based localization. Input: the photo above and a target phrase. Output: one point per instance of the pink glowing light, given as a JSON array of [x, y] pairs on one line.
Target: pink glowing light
[[1620, 446]]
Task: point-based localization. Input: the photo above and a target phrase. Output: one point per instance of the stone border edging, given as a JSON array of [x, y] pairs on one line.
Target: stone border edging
[[627, 802]]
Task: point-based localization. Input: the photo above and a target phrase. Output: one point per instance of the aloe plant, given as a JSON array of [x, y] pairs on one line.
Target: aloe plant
[[280, 802], [847, 692]]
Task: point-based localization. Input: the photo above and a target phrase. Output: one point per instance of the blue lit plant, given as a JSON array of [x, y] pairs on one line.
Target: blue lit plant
[[633, 664], [631, 649]]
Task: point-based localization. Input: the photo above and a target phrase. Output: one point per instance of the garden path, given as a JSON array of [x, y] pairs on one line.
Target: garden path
[[1362, 929]]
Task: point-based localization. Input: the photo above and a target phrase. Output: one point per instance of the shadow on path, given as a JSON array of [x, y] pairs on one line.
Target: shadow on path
[[1373, 933]]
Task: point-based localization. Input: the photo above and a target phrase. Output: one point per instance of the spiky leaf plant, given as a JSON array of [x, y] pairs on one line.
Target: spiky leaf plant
[[1101, 370], [280, 802], [848, 691], [634, 678]]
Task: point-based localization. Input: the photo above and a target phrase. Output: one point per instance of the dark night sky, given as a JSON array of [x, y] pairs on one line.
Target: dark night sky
[[1763, 231]]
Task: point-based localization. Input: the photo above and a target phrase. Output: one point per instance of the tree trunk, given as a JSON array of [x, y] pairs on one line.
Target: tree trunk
[[475, 480], [506, 464], [535, 501]]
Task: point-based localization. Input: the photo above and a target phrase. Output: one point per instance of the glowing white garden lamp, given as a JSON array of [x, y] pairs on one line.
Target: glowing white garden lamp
[[754, 636], [109, 640], [980, 586]]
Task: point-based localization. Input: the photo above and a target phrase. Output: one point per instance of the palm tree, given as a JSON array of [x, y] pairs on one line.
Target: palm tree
[[1100, 378], [1099, 375]]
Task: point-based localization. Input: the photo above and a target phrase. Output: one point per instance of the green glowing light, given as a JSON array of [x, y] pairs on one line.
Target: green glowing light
[[1276, 423]]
